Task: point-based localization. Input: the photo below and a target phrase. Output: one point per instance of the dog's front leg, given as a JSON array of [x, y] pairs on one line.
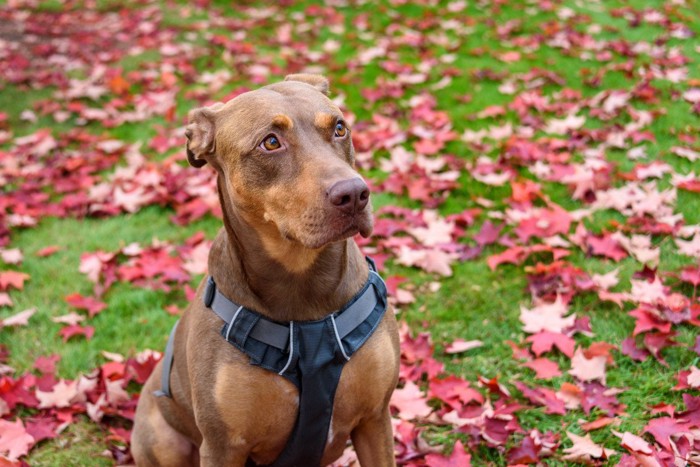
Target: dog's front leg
[[374, 441], [212, 454]]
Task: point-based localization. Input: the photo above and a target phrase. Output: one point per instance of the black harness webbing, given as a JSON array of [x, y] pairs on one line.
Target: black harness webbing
[[311, 354]]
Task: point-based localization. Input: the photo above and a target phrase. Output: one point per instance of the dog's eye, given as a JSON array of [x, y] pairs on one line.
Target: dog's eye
[[340, 129], [271, 142]]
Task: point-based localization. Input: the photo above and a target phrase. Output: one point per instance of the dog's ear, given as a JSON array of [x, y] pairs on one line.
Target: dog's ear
[[317, 81], [200, 133]]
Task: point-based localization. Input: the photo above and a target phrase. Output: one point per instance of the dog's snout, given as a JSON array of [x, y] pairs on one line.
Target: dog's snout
[[350, 196]]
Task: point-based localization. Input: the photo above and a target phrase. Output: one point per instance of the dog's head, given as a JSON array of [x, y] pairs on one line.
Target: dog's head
[[285, 155]]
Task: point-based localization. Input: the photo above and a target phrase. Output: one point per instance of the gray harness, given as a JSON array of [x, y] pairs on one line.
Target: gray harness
[[310, 354]]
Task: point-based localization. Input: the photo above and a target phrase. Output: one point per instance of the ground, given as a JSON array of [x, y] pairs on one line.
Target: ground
[[534, 173]]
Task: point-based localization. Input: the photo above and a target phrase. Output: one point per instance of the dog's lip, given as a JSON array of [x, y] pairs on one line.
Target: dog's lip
[[332, 235]]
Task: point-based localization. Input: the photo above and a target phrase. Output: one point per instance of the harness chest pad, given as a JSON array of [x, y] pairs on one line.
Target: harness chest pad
[[311, 340], [310, 354]]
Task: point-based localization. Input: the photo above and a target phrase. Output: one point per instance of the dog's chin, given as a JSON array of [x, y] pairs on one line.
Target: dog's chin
[[338, 233]]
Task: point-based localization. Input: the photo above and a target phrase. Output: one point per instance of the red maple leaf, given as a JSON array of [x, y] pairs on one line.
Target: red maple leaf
[[17, 391], [518, 254], [48, 251], [646, 321], [544, 341], [605, 246], [692, 412], [459, 457], [407, 440], [410, 402], [629, 348], [655, 342], [454, 391], [42, 428], [12, 279], [544, 368], [597, 395], [90, 304], [528, 452], [519, 353], [546, 223], [141, 367], [75, 330], [488, 234], [598, 423], [47, 365], [544, 397], [15, 442], [663, 428]]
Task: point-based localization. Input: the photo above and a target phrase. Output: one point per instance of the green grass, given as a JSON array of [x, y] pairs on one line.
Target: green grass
[[475, 302], [127, 325]]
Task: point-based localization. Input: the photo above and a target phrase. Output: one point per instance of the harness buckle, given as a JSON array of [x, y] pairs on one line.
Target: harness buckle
[[209, 292]]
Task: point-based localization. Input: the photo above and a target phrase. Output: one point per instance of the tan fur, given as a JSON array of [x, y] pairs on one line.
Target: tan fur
[[283, 122], [286, 252], [324, 120]]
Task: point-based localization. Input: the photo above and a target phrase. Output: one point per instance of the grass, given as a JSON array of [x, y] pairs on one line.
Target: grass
[[475, 303]]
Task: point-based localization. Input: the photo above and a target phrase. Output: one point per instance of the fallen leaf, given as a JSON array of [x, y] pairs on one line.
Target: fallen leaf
[[544, 368], [90, 304], [76, 330], [15, 442], [459, 457], [585, 450], [546, 317], [20, 319], [12, 279], [410, 402], [460, 345], [588, 369], [633, 443], [544, 342], [61, 396]]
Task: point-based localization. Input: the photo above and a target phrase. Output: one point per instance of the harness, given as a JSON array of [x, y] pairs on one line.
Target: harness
[[310, 354]]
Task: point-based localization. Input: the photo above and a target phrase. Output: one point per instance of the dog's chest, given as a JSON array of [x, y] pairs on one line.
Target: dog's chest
[[259, 410], [255, 405]]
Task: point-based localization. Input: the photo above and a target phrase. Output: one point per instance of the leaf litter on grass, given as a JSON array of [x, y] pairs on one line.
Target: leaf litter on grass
[[535, 138]]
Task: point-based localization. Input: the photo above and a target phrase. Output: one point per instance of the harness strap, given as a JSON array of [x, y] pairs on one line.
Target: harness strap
[[167, 366], [277, 335], [310, 354], [271, 333]]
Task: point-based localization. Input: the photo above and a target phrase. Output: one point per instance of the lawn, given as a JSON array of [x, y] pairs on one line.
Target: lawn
[[535, 179]]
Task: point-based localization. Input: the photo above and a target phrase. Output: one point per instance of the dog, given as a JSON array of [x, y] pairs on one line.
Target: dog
[[289, 348]]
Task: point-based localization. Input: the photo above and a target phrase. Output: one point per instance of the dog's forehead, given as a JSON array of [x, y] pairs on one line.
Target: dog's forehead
[[299, 102]]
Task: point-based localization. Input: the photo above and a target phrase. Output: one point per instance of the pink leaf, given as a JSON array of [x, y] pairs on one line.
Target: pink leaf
[[588, 369], [20, 319], [14, 439], [76, 330], [459, 457], [460, 345], [410, 402], [585, 450], [544, 368]]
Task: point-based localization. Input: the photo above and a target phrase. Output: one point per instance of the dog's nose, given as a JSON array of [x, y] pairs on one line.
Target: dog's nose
[[350, 196]]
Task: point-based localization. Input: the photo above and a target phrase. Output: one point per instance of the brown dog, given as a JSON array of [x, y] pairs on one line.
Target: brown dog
[[291, 201]]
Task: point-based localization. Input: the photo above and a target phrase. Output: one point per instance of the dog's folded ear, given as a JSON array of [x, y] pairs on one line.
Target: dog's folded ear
[[317, 81], [200, 134]]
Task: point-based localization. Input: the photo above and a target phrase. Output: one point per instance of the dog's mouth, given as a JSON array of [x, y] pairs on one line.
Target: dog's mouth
[[336, 230]]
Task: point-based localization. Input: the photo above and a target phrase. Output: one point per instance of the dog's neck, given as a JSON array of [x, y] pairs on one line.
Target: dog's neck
[[291, 283]]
